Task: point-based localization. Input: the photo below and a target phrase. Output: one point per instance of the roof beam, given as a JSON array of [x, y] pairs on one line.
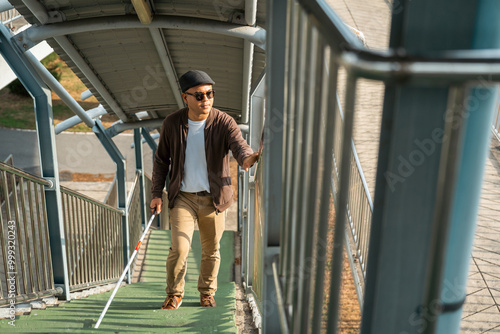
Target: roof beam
[[143, 11], [256, 35], [168, 66], [75, 56], [38, 10], [40, 13], [119, 127]]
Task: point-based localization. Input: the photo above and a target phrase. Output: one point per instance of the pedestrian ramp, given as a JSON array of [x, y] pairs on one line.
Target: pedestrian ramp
[[136, 307]]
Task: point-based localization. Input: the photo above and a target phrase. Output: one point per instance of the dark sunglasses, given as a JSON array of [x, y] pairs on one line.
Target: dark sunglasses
[[199, 96]]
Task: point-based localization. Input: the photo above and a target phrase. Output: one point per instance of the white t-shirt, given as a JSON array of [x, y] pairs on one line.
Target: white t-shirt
[[195, 165]]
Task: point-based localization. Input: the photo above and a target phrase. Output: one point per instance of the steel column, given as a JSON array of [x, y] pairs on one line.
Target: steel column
[[121, 179], [168, 65], [413, 124], [470, 177], [139, 166], [272, 156], [47, 152]]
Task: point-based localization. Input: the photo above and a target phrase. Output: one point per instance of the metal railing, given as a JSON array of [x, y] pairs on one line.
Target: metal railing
[[313, 233], [93, 233], [9, 17], [134, 213], [359, 207], [25, 258]]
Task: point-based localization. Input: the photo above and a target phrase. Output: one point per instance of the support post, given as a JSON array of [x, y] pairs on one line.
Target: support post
[[139, 166], [470, 176], [121, 180], [273, 157], [411, 144], [47, 152]]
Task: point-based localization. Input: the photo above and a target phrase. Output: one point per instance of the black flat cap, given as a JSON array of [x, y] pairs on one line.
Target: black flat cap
[[194, 78]]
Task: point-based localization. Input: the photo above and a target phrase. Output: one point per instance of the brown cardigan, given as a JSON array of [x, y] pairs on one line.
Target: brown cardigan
[[221, 135]]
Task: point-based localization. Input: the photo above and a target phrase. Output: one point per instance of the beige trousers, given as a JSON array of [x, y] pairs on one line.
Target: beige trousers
[[189, 208]]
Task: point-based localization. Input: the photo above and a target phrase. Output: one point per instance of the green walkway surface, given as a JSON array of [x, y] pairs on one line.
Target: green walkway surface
[[136, 307]]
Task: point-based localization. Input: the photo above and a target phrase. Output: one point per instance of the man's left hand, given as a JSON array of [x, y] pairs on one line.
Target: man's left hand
[[250, 160]]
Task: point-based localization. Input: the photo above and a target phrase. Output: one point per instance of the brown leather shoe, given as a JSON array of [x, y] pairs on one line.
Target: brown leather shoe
[[172, 302], [207, 301]]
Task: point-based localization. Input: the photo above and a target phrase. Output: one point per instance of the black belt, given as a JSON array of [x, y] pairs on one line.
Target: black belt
[[201, 193]]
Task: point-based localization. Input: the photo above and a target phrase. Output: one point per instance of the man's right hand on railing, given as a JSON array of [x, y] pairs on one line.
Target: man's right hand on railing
[[156, 203]]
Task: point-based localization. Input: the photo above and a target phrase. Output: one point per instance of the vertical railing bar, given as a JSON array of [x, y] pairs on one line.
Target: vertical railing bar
[[22, 264], [290, 121], [303, 177], [291, 286], [117, 250], [92, 242], [101, 243], [65, 208], [74, 240], [72, 232], [76, 234], [98, 242], [97, 233], [312, 199], [6, 194], [36, 243], [50, 277], [121, 242], [109, 238], [328, 107], [85, 240], [107, 244], [92, 252], [3, 246], [333, 309], [81, 245], [113, 250], [118, 270], [26, 233], [39, 215], [41, 273], [30, 226], [301, 320]]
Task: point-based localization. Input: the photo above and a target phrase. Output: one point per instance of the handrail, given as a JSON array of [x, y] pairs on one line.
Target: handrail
[[89, 199], [24, 226], [93, 239], [23, 174]]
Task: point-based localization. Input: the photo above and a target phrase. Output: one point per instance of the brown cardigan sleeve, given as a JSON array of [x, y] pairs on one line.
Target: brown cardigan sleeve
[[237, 144]]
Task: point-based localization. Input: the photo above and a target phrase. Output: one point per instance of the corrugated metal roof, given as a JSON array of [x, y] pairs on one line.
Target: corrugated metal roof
[[127, 64]]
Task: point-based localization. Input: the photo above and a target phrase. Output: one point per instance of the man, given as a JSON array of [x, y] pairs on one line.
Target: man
[[194, 150]]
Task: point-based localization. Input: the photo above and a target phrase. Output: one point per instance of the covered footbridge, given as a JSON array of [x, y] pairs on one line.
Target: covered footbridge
[[411, 86]]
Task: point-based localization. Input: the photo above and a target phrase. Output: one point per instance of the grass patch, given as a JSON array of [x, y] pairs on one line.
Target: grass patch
[[18, 111]]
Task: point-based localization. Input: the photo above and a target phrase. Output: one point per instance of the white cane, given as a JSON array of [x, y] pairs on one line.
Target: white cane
[[124, 272]]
